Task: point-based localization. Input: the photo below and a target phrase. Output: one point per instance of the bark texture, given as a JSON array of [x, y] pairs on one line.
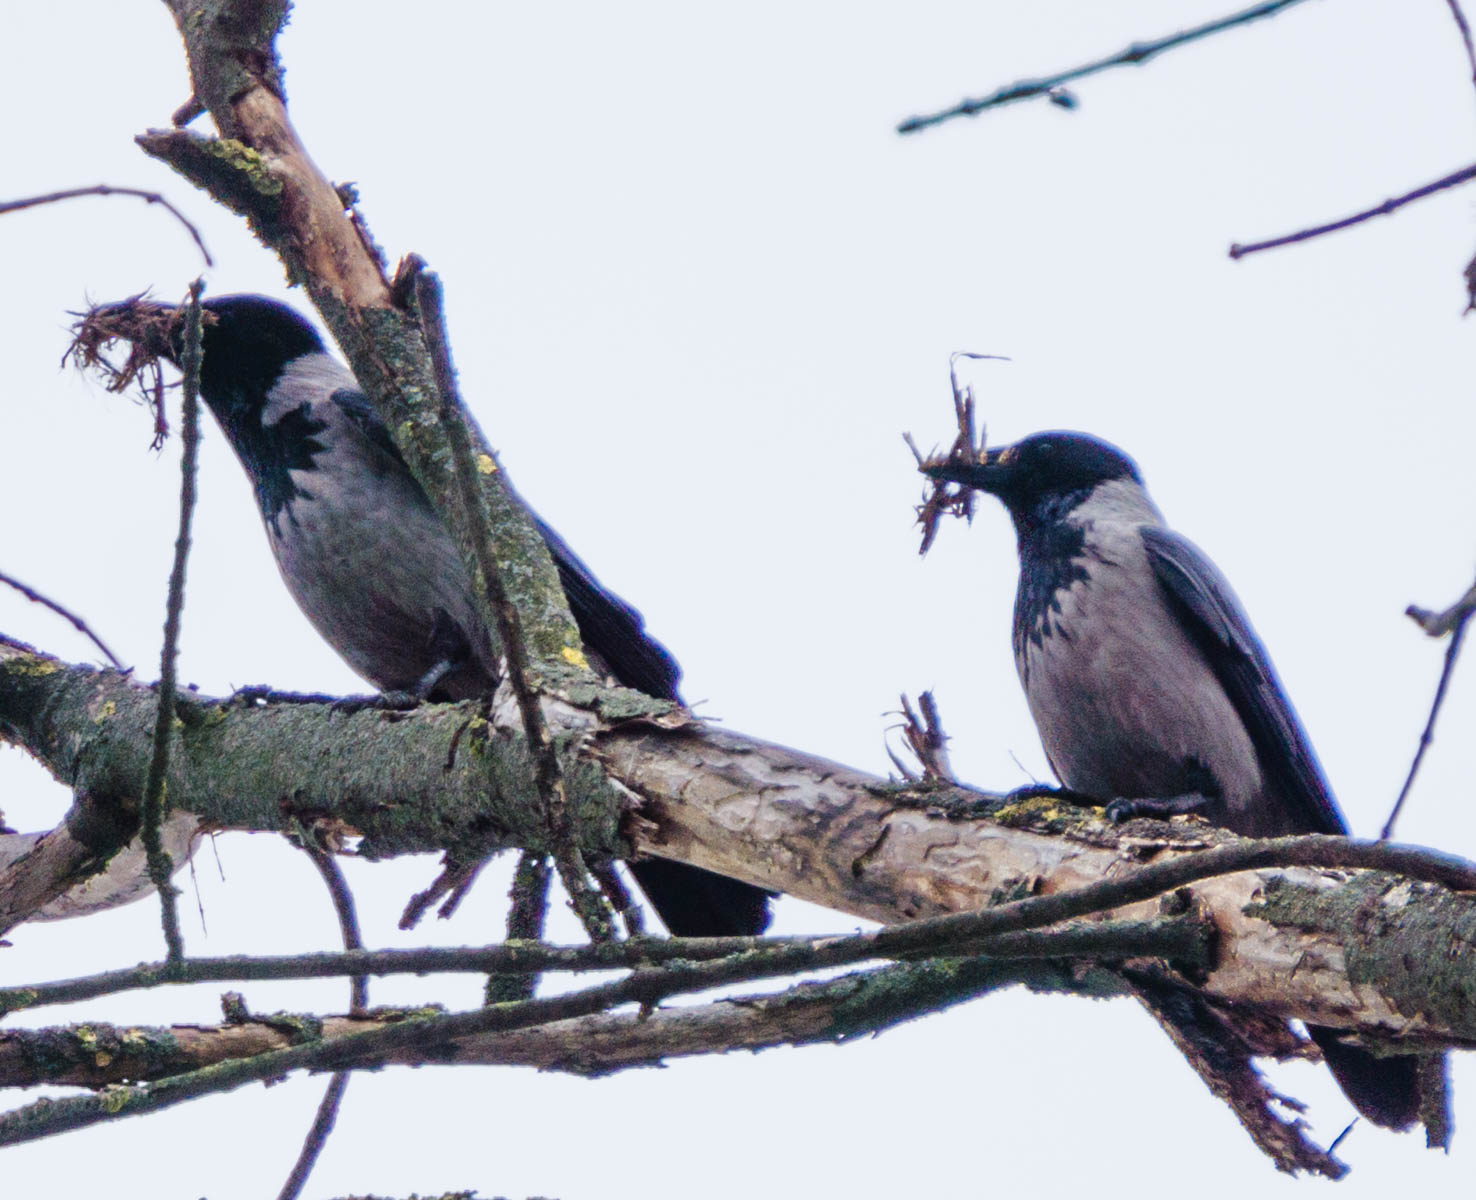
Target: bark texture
[[1353, 949]]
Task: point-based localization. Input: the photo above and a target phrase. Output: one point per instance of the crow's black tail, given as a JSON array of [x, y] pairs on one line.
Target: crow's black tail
[[1385, 1089], [697, 903]]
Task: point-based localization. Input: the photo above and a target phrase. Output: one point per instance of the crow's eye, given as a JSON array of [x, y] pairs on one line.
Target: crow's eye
[[1044, 449]]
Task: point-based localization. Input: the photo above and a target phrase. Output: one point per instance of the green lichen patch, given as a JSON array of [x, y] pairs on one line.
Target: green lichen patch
[[13, 999], [300, 1028], [35, 666], [1414, 942], [83, 1052], [227, 169]]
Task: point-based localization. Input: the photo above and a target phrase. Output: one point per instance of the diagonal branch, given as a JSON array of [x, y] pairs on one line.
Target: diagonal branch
[[1132, 56], [67, 614], [1452, 621], [1384, 209], [548, 776], [260, 168]]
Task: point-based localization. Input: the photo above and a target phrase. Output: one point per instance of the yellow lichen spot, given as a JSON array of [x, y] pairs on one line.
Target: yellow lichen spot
[[485, 465], [33, 665], [115, 1098], [102, 1058], [109, 709], [574, 656]]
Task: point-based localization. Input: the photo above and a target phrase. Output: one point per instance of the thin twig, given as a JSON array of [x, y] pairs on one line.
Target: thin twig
[[604, 873], [1464, 26], [1051, 86], [364, 1049], [348, 918], [525, 917], [588, 903], [317, 1137], [104, 189], [77, 622], [924, 735], [1427, 735], [161, 867], [980, 932], [1438, 624], [327, 1114], [1393, 204]]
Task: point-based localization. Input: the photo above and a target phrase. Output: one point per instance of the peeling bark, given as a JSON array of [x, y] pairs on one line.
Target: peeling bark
[[1349, 949]]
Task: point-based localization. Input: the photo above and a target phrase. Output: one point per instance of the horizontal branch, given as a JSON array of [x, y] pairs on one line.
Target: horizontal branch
[[865, 1002], [1182, 940], [418, 1035], [1298, 937]]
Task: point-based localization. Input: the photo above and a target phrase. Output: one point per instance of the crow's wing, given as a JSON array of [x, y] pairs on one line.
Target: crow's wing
[[611, 627], [608, 625], [1215, 620]]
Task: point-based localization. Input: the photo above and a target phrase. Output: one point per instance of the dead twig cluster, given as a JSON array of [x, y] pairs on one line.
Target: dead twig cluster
[[151, 334], [922, 730], [941, 496]]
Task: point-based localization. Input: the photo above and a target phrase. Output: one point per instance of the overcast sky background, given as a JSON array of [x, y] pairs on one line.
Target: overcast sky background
[[697, 289]]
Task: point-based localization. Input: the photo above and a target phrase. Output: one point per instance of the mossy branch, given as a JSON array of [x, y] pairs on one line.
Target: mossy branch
[[812, 828]]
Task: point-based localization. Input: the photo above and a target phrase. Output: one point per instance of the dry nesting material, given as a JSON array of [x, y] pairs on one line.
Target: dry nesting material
[[149, 330]]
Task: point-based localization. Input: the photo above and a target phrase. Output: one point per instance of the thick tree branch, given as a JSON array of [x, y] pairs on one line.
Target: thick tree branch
[[1357, 950]]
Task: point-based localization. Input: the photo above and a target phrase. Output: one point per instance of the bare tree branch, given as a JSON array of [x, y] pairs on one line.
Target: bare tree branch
[[76, 622], [161, 867], [588, 902], [1453, 621], [825, 833], [104, 189], [1465, 30], [1392, 205], [527, 911], [1051, 86], [327, 1115], [260, 168], [857, 1004]]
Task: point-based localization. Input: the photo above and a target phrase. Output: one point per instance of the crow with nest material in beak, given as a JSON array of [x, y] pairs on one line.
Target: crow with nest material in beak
[[1151, 691], [373, 567]]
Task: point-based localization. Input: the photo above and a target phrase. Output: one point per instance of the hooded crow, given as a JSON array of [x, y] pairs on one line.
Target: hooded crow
[[374, 569], [1150, 689]]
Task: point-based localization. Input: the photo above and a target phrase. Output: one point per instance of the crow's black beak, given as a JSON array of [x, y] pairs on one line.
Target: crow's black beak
[[994, 474]]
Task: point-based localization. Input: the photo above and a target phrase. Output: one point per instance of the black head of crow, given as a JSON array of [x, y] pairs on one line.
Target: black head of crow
[[1150, 689], [374, 569]]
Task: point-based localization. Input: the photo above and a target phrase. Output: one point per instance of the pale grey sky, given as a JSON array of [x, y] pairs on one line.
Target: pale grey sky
[[698, 288]]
